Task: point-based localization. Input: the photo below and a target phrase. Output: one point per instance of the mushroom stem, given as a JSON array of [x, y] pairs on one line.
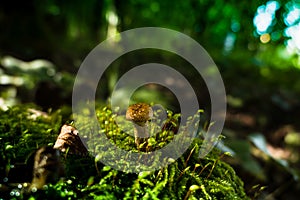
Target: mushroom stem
[[140, 134]]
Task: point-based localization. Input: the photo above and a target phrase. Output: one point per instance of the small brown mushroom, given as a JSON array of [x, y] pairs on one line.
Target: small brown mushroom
[[140, 114]]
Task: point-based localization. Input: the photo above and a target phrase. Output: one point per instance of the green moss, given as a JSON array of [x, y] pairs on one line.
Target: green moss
[[20, 135], [186, 178]]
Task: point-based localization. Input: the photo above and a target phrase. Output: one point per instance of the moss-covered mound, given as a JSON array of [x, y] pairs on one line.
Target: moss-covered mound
[[188, 177]]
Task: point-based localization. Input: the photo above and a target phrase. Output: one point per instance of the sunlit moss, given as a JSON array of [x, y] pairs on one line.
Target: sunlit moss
[[185, 178]]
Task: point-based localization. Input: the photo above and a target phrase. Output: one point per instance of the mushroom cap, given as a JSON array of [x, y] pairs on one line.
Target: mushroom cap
[[139, 113]]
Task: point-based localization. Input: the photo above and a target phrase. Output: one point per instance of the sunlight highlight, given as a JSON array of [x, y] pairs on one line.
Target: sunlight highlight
[[265, 15], [264, 20], [292, 19]]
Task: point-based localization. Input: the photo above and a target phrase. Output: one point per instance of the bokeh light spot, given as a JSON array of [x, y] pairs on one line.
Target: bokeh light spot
[[265, 38]]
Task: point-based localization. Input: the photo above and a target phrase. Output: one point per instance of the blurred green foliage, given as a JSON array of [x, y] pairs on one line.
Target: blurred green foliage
[[64, 33]]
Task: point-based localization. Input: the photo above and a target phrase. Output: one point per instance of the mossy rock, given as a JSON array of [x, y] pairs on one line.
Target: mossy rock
[[186, 178]]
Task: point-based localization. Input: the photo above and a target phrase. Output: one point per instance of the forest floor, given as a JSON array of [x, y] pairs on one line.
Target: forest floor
[[276, 153]]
